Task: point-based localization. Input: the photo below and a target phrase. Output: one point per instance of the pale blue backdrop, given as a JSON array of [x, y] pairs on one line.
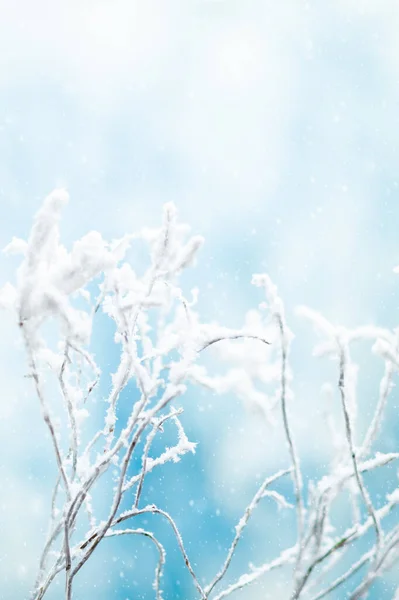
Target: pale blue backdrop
[[273, 126]]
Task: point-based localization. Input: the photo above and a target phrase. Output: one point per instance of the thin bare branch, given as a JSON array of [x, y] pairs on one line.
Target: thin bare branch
[[291, 446], [286, 558], [158, 545], [349, 437], [242, 524]]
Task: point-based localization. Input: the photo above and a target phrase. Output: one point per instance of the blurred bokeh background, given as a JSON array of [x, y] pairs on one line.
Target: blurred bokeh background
[[273, 126]]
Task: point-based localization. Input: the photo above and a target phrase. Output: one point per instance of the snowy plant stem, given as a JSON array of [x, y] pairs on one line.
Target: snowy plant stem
[[342, 542], [234, 336], [291, 446], [362, 588], [45, 410], [54, 500], [53, 532], [129, 514], [330, 492], [241, 526], [285, 558], [126, 363], [68, 562], [343, 578], [353, 534], [106, 460], [385, 388], [127, 357], [349, 436], [120, 488], [52, 537], [41, 590], [155, 510], [150, 438], [71, 414], [86, 356], [158, 545]]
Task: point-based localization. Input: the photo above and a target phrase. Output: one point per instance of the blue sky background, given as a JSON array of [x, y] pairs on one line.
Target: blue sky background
[[273, 126]]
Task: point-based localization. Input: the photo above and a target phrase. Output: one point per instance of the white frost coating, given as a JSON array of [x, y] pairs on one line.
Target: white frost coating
[[273, 300], [43, 240], [188, 253], [16, 246], [162, 339], [322, 326], [279, 498], [88, 258], [386, 351], [175, 453]]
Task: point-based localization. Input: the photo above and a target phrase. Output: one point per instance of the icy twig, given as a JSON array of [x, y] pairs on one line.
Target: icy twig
[[158, 545], [242, 524]]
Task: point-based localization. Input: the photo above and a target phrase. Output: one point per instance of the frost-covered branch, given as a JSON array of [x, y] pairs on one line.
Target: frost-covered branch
[[158, 545], [277, 311], [349, 436], [61, 294], [242, 524]]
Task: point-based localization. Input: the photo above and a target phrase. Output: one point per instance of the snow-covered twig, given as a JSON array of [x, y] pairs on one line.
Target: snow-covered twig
[[349, 436], [242, 524], [158, 545]]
